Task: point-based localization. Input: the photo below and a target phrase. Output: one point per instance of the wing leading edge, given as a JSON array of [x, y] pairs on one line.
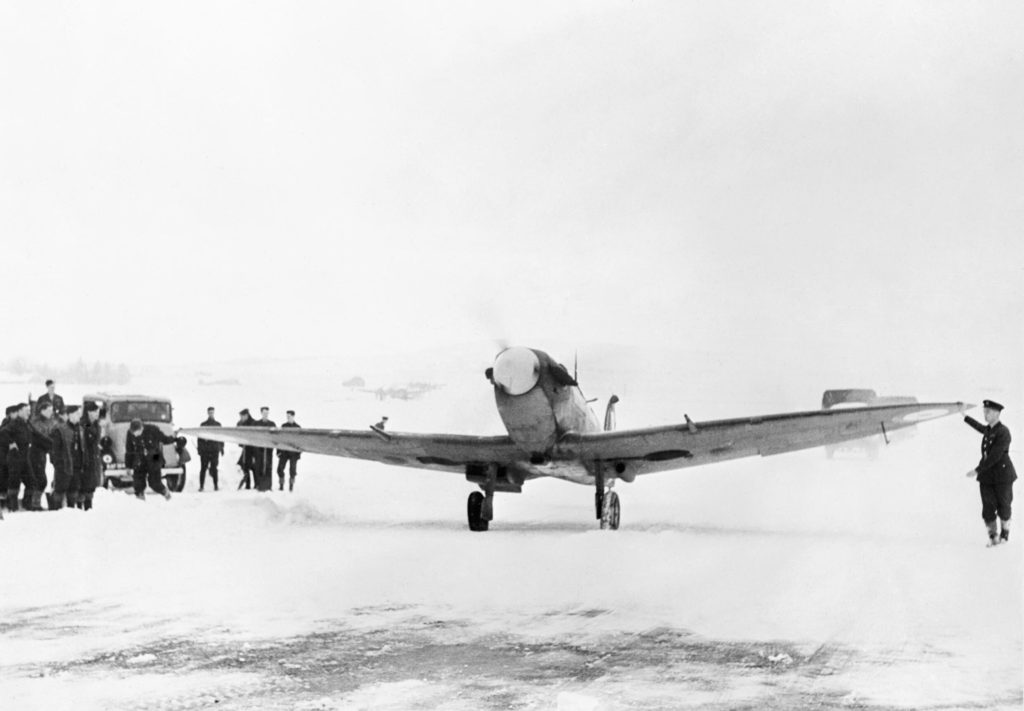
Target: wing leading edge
[[422, 451], [576, 456], [644, 451]]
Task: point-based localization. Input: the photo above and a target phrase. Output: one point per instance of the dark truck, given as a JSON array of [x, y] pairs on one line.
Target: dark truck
[[119, 411], [865, 397]]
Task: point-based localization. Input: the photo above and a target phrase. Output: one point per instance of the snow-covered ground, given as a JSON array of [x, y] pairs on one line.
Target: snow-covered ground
[[785, 582]]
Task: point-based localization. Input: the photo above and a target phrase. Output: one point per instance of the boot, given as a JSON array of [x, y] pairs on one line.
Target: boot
[[993, 533], [12, 500], [1004, 535], [291, 483], [70, 499], [37, 501], [87, 504], [141, 495], [280, 483], [167, 494], [54, 501]]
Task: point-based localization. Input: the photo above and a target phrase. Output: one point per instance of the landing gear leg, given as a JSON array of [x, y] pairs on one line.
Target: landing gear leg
[[606, 501]]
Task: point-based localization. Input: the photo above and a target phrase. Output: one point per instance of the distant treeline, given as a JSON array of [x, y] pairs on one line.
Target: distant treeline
[[78, 373]]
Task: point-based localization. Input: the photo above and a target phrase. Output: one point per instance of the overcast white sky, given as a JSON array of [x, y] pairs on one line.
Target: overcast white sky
[[211, 180]]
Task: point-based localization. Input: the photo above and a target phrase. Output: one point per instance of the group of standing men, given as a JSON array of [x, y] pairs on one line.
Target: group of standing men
[[29, 434], [256, 463]]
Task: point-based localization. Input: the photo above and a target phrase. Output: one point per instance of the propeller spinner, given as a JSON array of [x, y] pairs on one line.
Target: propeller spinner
[[516, 370]]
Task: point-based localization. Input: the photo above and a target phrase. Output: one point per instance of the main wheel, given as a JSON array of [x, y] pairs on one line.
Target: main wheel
[[474, 509], [613, 511], [610, 512]]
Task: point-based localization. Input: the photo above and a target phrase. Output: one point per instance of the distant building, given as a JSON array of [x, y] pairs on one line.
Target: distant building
[[355, 382]]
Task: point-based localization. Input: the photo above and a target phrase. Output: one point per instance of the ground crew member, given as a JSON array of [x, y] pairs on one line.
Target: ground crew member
[[144, 448], [995, 473], [5, 443], [92, 459], [74, 413], [43, 423], [22, 438], [57, 402], [263, 469], [209, 452], [63, 439], [245, 459], [50, 396], [289, 458]]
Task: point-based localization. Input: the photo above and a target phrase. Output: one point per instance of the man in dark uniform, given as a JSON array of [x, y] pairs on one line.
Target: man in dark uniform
[[57, 402], [995, 472], [22, 438], [74, 413], [63, 438], [246, 458], [289, 458], [43, 422], [50, 396], [92, 462], [209, 452], [144, 453], [263, 470], [5, 443]]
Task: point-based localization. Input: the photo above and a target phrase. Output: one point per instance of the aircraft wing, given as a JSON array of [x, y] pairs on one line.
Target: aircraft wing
[[640, 451], [644, 451], [423, 451]]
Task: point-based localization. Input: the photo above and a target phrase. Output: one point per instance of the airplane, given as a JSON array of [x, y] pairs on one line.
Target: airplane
[[553, 432]]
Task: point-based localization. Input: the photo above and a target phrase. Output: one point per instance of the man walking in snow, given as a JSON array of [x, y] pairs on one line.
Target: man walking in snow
[[144, 447], [995, 473]]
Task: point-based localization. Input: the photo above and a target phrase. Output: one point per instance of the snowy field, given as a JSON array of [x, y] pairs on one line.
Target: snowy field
[[786, 582]]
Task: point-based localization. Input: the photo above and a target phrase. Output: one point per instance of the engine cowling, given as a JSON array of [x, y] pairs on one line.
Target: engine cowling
[[516, 370]]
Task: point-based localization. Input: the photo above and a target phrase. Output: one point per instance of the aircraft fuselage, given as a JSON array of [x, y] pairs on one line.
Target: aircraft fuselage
[[538, 400]]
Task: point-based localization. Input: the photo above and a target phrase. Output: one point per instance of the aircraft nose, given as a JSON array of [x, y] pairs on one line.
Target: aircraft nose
[[516, 370]]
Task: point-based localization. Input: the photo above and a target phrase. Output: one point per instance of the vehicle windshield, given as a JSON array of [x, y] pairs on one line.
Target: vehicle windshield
[[145, 411]]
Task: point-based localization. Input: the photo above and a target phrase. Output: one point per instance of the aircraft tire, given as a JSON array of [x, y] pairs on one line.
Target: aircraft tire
[[474, 509], [614, 511], [610, 513]]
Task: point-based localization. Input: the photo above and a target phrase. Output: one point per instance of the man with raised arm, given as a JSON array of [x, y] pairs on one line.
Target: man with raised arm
[[995, 473]]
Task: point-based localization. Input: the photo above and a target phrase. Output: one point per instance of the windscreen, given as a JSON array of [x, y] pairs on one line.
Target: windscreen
[[145, 411]]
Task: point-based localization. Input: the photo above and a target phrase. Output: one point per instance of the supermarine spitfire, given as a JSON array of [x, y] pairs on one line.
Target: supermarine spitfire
[[552, 432]]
